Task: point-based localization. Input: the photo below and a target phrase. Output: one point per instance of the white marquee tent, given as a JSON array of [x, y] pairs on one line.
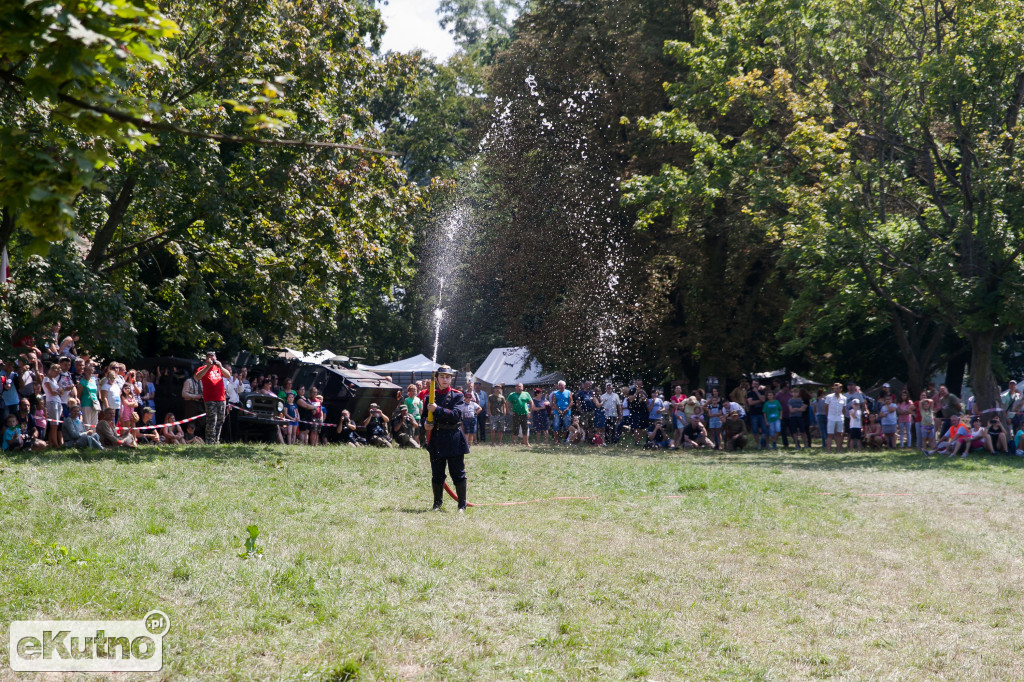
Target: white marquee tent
[[406, 371], [511, 366]]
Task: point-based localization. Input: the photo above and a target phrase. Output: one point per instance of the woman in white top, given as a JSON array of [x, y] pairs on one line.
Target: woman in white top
[[54, 405]]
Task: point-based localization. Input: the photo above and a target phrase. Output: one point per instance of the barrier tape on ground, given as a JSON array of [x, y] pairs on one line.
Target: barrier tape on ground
[[282, 421]]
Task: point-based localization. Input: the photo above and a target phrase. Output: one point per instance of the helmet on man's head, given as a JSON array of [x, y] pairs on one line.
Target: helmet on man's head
[[445, 369]]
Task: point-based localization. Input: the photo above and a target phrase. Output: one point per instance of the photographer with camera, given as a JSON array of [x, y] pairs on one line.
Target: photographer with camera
[[211, 375], [377, 427]]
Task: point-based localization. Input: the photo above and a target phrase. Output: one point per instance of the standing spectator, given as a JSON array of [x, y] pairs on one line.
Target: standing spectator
[[66, 383], [715, 415], [755, 409], [1012, 403], [126, 420], [636, 401], [30, 380], [890, 421], [305, 414], [539, 410], [10, 383], [783, 395], [678, 414], [561, 399], [797, 409], [820, 412], [927, 410], [655, 409], [497, 408], [835, 404], [413, 403], [520, 402], [905, 418], [214, 396], [90, 396], [856, 424], [612, 406], [584, 401], [481, 420], [470, 410], [291, 412], [317, 426], [55, 395], [192, 394], [772, 410], [67, 346]]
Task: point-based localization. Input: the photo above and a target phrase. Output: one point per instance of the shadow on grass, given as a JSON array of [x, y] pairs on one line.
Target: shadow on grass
[[149, 453]]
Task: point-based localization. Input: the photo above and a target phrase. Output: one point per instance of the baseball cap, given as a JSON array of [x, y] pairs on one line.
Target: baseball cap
[[374, 406]]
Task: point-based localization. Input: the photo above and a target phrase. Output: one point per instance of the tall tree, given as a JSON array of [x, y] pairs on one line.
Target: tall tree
[[865, 130]]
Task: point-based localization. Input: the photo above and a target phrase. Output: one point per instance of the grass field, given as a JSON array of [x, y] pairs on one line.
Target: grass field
[[775, 565]]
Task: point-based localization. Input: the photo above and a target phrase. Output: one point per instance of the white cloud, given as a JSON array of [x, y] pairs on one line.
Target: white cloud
[[413, 24]]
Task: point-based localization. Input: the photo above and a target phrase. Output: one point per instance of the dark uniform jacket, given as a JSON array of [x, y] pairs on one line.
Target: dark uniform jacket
[[446, 439]]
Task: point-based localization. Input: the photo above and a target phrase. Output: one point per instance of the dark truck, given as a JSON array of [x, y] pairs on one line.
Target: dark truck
[[339, 382]]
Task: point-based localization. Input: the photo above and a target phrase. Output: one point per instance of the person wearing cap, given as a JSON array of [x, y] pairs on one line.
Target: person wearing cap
[[404, 428], [734, 432], [694, 434], [146, 436], [76, 434], [446, 443]]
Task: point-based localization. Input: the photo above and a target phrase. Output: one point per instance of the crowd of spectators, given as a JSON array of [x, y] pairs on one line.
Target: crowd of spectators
[[751, 415]]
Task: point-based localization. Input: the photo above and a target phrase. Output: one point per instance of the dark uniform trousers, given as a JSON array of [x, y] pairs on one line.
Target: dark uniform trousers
[[447, 446]]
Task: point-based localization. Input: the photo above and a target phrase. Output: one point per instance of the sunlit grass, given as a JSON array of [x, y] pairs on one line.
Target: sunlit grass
[[752, 566]]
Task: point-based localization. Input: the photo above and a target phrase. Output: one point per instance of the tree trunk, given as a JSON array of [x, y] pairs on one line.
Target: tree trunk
[[6, 226], [955, 372], [983, 382], [115, 214]]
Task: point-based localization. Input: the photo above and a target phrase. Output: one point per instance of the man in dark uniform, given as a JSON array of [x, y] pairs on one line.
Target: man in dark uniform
[[446, 444]]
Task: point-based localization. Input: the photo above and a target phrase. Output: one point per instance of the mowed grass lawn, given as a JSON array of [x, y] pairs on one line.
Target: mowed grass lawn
[[776, 565]]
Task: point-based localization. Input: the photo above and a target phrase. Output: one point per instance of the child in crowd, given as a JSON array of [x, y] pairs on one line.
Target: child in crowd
[[926, 407], [773, 418], [576, 433], [291, 411], [856, 424]]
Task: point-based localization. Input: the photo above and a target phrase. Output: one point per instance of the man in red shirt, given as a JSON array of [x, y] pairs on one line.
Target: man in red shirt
[[211, 375]]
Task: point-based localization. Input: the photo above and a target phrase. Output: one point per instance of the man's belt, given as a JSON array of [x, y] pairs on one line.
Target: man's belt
[[447, 427]]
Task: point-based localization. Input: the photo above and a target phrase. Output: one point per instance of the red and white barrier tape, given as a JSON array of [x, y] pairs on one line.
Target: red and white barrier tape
[[282, 420], [141, 427]]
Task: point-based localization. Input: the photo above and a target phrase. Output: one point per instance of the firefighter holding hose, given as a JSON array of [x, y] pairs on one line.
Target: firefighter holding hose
[[445, 442]]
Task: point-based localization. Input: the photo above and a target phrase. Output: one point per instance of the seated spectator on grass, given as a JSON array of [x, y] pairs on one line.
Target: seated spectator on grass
[[576, 434], [146, 436], [657, 436], [979, 437], [191, 437], [172, 433], [108, 436], [872, 433], [15, 438], [997, 435], [376, 424], [405, 428], [76, 434], [734, 432], [347, 430], [694, 434]]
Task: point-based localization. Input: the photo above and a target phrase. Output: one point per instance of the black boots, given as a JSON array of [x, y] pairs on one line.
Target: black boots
[[438, 494], [460, 488]]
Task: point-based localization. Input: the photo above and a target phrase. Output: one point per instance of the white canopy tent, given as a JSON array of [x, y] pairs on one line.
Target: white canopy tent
[[406, 371], [511, 366]]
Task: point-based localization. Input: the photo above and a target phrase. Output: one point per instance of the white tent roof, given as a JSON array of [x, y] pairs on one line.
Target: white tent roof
[[418, 363], [319, 357], [509, 366]]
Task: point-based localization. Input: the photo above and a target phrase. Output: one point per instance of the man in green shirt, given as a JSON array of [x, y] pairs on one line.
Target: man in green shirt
[[521, 402]]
